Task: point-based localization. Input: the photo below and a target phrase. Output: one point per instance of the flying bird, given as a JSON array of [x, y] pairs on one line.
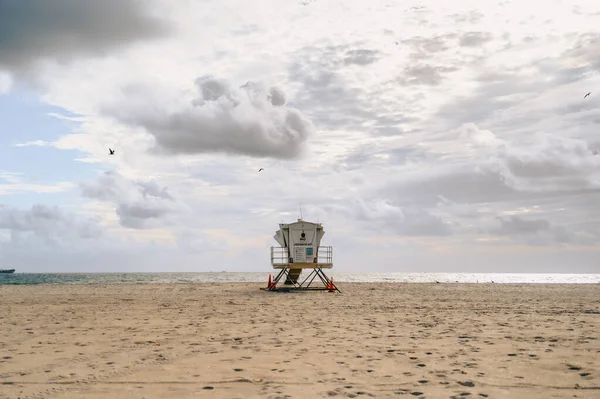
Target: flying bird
[[111, 152], [261, 169], [587, 94]]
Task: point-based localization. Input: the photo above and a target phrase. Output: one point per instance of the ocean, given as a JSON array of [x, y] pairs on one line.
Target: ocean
[[262, 277]]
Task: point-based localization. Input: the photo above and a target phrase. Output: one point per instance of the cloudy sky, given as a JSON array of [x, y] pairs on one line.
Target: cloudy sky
[[426, 136]]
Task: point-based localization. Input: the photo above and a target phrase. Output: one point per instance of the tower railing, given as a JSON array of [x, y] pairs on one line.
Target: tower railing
[[325, 254], [279, 255]]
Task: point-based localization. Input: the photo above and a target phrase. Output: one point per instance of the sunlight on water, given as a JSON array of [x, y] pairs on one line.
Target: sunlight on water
[[225, 277]]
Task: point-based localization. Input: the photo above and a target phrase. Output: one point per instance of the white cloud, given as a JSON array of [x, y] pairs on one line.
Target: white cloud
[[34, 143], [5, 83], [461, 136], [66, 118], [15, 184]]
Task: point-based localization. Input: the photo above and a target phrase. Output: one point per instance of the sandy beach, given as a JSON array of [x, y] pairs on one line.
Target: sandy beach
[[236, 341]]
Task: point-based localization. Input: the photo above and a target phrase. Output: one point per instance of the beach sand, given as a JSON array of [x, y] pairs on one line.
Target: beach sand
[[236, 341]]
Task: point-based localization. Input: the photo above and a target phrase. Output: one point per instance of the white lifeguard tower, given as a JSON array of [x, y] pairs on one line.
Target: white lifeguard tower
[[300, 248]]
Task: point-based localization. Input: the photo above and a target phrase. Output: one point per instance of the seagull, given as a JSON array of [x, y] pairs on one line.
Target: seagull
[[587, 94], [111, 152], [261, 169]]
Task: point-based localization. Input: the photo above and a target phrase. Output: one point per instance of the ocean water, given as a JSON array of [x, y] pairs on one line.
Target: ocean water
[[262, 277]]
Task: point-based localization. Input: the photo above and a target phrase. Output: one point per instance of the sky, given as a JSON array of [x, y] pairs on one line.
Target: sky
[[432, 136]]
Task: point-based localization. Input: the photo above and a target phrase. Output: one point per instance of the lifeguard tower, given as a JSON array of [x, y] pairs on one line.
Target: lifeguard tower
[[300, 248]]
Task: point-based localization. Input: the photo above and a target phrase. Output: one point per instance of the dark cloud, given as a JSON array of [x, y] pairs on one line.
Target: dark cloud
[[33, 30], [556, 163], [517, 226], [560, 158], [419, 222], [461, 186], [46, 222], [403, 221], [556, 178], [151, 188], [542, 232], [137, 214], [251, 120], [382, 217], [138, 203], [276, 97], [494, 170]]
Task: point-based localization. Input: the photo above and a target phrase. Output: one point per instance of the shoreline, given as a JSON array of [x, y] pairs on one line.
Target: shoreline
[[262, 278]]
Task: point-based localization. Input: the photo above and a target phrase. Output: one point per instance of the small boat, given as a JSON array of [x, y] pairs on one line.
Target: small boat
[[7, 271]]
